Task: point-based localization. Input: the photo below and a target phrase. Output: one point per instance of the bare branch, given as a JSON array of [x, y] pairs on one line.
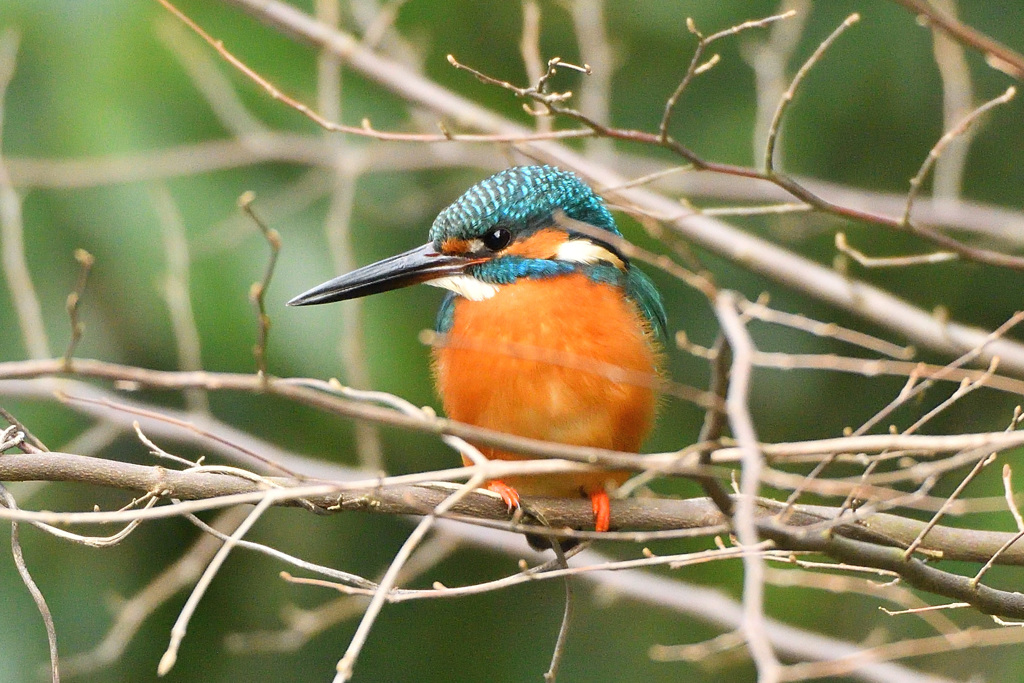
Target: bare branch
[[996, 54], [12, 232], [347, 663], [1008, 493], [944, 141], [529, 49], [760, 311], [9, 503], [891, 261], [181, 624], [967, 639], [366, 130], [85, 262], [787, 97], [403, 495], [768, 59], [742, 425], [134, 611], [697, 68], [258, 291], [957, 102]]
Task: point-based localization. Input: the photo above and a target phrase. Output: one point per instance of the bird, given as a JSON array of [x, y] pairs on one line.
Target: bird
[[545, 331]]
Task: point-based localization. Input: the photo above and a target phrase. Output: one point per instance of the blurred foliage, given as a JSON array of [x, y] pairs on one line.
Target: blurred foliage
[[98, 79]]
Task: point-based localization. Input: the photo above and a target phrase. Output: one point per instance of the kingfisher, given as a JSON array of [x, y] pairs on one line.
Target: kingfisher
[[542, 327]]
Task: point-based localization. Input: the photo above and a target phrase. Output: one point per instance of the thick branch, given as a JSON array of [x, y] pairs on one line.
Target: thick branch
[[634, 515]]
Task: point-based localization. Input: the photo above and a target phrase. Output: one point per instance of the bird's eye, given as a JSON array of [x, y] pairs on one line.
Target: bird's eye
[[497, 239]]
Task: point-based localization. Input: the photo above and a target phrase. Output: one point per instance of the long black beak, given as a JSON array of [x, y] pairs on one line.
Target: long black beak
[[414, 266]]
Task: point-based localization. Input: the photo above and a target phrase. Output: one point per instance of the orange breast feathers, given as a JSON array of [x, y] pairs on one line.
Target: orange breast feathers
[[563, 359]]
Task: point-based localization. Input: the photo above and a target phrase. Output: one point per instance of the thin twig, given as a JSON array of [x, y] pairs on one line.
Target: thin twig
[[881, 367], [976, 580], [258, 291], [697, 652], [766, 210], [769, 60], [965, 387], [940, 146], [346, 664], [37, 595], [845, 586], [927, 608], [170, 655], [358, 583], [892, 261], [996, 54], [787, 97], [828, 330], [563, 630], [696, 67], [964, 359], [714, 423], [972, 638], [1012, 505], [366, 130], [103, 541], [981, 464], [133, 612], [302, 625], [85, 261]]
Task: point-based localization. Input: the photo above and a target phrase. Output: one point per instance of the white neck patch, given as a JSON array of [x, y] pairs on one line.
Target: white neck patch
[[585, 251], [572, 251], [466, 286]]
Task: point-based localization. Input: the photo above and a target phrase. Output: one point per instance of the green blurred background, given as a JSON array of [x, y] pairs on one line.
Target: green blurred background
[[105, 79]]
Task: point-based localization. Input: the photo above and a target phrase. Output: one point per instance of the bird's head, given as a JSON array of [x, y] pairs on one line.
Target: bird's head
[[501, 229]]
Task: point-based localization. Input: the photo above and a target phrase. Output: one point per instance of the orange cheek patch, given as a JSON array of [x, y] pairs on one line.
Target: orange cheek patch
[[454, 246], [542, 244]]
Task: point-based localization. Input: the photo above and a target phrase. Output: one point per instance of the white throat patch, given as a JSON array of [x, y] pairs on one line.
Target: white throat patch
[[465, 285], [585, 251], [572, 251]]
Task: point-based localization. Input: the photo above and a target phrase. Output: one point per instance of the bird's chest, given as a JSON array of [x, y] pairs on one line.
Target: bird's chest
[[563, 358]]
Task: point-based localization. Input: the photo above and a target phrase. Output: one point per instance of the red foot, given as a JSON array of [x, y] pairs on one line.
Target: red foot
[[602, 507], [507, 493]]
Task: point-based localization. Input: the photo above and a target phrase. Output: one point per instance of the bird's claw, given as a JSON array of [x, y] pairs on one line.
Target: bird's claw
[[602, 506], [507, 493]]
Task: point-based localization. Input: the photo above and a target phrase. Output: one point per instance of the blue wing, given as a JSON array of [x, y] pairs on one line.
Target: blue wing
[[644, 294]]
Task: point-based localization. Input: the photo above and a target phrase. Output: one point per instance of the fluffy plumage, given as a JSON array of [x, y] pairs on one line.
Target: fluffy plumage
[[550, 334], [567, 348]]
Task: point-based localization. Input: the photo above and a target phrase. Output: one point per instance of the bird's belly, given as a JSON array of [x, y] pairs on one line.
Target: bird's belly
[[561, 359]]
